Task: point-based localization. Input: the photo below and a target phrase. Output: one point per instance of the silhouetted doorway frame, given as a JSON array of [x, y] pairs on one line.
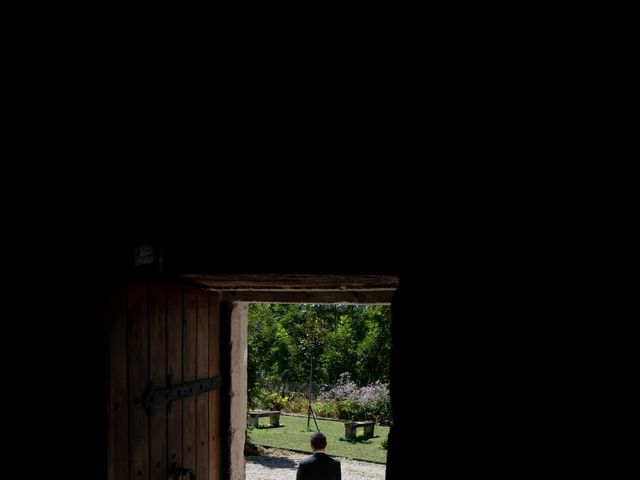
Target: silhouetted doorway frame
[[236, 293]]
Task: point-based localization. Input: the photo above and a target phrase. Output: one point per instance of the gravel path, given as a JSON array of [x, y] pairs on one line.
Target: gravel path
[[283, 464]]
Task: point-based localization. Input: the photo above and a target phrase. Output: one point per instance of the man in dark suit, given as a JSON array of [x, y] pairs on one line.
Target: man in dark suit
[[319, 466]]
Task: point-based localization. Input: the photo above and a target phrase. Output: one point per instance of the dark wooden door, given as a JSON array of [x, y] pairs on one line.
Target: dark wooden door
[[160, 333]]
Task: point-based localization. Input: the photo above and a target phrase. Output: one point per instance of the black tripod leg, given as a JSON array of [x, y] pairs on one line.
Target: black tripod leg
[[314, 418]]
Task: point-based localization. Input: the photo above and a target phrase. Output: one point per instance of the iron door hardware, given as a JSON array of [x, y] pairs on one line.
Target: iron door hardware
[[167, 395], [178, 472]]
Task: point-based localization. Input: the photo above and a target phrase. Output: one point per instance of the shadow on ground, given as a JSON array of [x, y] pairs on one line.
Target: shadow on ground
[[272, 462], [359, 439]]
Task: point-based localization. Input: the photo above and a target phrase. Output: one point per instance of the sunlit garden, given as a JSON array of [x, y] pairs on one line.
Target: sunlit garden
[[293, 435], [320, 365]]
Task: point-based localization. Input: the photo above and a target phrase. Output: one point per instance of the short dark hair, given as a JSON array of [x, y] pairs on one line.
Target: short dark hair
[[318, 441]]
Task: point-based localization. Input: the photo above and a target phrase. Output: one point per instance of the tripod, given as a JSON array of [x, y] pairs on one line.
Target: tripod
[[310, 412]]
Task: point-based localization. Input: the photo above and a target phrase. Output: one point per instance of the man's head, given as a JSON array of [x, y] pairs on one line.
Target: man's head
[[318, 441]]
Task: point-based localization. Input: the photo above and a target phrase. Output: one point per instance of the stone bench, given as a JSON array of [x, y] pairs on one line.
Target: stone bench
[[350, 429], [253, 417]]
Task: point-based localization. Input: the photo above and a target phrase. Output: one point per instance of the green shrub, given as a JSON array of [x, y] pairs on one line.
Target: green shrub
[[297, 404], [324, 410], [274, 401], [348, 410]]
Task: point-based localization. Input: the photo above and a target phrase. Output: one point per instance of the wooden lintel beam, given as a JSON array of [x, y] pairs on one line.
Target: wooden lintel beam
[[380, 297], [291, 282]]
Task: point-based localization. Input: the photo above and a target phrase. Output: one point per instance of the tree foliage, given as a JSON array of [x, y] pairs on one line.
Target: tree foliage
[[282, 340]]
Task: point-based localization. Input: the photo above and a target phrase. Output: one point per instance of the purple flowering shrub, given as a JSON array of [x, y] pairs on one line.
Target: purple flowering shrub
[[347, 401]]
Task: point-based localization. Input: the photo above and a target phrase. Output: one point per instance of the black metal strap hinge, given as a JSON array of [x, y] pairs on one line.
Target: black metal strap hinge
[[167, 395], [178, 472]]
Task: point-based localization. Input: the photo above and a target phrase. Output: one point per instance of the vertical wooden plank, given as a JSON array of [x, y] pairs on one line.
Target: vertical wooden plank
[[202, 371], [158, 377], [214, 397], [138, 324], [174, 370], [238, 392], [224, 412], [188, 375], [117, 403]]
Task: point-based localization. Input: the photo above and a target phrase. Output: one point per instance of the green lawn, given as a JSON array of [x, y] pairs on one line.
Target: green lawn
[[293, 435]]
